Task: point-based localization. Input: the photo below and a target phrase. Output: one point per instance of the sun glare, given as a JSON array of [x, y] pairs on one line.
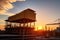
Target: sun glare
[[38, 28]]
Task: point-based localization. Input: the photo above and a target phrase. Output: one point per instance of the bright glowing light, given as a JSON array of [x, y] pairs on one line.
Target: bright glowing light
[[38, 28]]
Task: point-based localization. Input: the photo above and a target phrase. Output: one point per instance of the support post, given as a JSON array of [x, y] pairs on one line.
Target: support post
[[30, 24], [6, 23], [27, 24], [34, 24], [20, 24]]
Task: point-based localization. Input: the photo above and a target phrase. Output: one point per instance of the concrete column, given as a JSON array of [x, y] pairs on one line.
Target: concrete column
[[30, 24], [20, 24], [23, 24], [11, 24], [27, 24], [6, 23], [34, 24]]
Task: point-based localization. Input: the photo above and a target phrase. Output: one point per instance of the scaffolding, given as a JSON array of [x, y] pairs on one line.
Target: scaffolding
[[23, 24], [55, 25]]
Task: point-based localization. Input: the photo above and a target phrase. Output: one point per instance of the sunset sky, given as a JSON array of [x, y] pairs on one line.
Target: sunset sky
[[47, 11]]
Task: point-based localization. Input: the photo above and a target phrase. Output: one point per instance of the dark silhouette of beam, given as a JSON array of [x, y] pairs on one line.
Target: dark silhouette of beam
[[53, 24]]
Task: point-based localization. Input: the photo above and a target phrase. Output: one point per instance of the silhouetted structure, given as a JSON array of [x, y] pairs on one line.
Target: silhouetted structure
[[57, 32], [23, 24]]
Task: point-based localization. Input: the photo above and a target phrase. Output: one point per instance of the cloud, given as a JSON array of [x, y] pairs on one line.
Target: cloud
[[6, 5], [21, 0], [2, 22], [8, 14], [5, 17]]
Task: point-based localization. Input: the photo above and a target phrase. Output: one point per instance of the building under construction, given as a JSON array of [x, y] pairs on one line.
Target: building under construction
[[56, 31], [22, 24]]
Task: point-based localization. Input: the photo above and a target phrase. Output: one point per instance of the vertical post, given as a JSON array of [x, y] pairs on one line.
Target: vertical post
[[6, 23], [11, 24], [34, 24], [24, 25], [30, 24], [23, 30], [20, 24], [46, 27], [27, 24]]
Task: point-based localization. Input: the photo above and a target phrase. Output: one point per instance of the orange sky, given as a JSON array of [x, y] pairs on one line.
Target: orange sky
[[2, 27], [47, 10]]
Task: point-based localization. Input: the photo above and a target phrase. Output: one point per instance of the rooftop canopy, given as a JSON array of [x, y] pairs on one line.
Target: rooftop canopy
[[26, 16]]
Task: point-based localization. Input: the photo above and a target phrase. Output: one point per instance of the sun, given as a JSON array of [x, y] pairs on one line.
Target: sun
[[38, 28]]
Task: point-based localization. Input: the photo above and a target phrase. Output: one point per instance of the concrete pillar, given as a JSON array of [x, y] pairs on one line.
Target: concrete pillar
[[30, 24], [6, 24], [34, 24], [27, 24], [20, 24], [23, 24]]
